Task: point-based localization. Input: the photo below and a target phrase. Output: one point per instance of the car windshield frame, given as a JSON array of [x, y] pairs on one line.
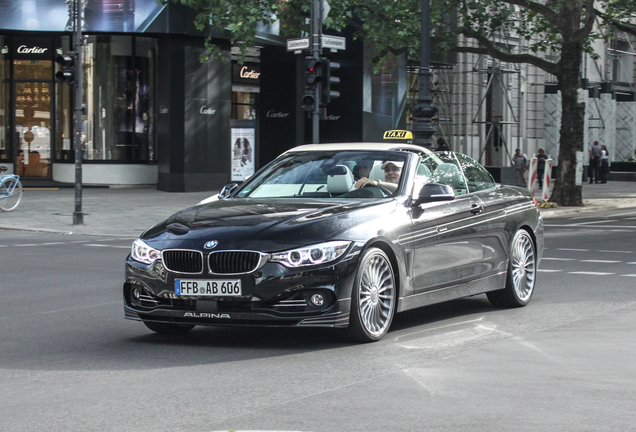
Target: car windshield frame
[[304, 174]]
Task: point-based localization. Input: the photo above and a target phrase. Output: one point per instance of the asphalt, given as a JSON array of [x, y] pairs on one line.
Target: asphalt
[[127, 212]]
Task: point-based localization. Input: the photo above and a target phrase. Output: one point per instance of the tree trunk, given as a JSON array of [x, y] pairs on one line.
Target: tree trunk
[[566, 192]]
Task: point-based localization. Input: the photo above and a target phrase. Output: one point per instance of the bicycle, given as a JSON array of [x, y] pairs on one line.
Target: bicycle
[[10, 191]]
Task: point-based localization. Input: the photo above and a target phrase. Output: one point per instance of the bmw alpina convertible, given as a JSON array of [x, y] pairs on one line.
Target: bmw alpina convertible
[[338, 235]]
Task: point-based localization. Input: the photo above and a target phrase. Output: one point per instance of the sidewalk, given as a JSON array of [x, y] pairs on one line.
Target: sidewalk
[[127, 212]]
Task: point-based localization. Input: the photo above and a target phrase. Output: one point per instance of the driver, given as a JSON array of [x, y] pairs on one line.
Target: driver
[[363, 168], [392, 172]]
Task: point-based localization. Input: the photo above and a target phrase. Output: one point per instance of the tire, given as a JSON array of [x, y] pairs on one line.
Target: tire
[[522, 272], [168, 328], [373, 298], [10, 202]]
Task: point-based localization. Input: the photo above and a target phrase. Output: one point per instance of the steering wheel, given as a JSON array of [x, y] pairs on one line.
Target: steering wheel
[[384, 190]]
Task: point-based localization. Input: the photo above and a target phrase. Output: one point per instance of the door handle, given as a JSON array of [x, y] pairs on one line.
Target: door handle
[[476, 208]]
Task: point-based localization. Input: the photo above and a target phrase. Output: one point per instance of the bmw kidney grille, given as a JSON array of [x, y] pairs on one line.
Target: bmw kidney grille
[[183, 261], [227, 262]]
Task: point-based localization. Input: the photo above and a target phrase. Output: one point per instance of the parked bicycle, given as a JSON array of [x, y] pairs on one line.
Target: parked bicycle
[[10, 190]]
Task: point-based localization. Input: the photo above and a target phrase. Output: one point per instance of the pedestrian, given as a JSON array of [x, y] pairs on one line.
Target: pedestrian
[[595, 162], [604, 164], [442, 145], [541, 158], [520, 163]]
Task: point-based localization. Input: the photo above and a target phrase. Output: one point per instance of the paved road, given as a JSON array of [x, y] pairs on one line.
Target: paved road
[[70, 362]]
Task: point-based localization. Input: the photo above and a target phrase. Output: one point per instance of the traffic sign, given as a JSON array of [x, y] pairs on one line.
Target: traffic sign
[[297, 44], [334, 42]]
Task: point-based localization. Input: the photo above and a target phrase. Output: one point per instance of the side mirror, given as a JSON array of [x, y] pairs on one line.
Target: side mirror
[[432, 192], [227, 190]]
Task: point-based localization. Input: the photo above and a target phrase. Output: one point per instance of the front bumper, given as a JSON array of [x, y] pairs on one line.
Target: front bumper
[[272, 296]]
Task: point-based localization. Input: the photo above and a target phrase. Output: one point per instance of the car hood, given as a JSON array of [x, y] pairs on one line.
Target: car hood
[[262, 224]]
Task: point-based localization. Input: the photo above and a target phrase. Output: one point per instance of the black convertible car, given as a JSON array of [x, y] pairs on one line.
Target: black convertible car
[[341, 236]]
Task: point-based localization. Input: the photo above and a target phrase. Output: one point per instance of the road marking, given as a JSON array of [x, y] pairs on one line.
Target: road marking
[[52, 243], [601, 261], [629, 275], [591, 273], [558, 259], [108, 246], [548, 271], [573, 250], [631, 263], [30, 244], [595, 222], [616, 251]]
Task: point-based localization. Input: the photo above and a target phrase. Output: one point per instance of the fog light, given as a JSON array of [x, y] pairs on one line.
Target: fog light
[[317, 300], [136, 294]]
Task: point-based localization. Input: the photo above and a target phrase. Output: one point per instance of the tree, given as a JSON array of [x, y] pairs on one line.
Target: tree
[[566, 29]]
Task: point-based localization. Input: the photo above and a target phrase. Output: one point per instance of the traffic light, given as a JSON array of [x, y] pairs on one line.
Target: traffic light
[[67, 74], [328, 81], [313, 78]]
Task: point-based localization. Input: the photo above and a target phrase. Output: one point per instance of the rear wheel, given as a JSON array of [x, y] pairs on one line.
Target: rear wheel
[[373, 298], [522, 272], [10, 194], [168, 328]]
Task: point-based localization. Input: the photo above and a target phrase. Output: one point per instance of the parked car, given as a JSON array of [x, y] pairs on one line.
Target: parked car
[[301, 244]]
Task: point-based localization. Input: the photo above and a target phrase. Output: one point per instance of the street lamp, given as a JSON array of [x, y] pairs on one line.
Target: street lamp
[[423, 111]]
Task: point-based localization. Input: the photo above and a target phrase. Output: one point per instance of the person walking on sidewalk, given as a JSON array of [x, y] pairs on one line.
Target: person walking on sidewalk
[[519, 162], [595, 162], [541, 158], [604, 164]]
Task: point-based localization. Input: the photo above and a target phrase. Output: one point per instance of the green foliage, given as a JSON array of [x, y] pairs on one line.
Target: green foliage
[[392, 27]]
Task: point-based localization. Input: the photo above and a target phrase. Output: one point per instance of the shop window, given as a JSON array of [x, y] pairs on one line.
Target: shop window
[[118, 82], [5, 151], [244, 105]]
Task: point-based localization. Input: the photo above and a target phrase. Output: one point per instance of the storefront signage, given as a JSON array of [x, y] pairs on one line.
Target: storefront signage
[[247, 74], [23, 49], [277, 114], [163, 109], [207, 111], [32, 48], [331, 117]]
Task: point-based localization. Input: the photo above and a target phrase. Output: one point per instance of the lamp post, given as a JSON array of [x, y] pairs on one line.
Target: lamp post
[[78, 215], [424, 111]]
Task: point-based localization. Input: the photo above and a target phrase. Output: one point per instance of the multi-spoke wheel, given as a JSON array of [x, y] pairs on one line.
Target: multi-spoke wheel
[[10, 193], [373, 298], [168, 328], [522, 272]]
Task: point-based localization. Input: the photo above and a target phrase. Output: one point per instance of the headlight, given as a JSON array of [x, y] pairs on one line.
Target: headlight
[[143, 253], [311, 255]]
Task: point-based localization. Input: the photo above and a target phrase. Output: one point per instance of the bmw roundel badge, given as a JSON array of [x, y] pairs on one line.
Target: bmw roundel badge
[[211, 244]]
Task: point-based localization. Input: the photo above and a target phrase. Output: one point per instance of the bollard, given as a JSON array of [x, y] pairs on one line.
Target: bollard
[[547, 180], [532, 176]]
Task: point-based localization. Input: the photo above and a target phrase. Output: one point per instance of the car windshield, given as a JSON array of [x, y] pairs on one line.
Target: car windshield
[[328, 174]]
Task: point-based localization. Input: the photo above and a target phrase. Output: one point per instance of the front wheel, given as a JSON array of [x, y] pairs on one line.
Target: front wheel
[[373, 298], [10, 193], [168, 328], [522, 272]]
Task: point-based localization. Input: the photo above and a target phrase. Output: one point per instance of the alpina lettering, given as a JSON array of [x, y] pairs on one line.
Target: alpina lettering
[[205, 315], [23, 49]]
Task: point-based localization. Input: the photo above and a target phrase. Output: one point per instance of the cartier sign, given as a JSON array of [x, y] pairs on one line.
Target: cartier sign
[[32, 48], [247, 73], [23, 49]]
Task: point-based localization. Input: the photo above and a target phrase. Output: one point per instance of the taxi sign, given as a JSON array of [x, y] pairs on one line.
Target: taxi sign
[[399, 134]]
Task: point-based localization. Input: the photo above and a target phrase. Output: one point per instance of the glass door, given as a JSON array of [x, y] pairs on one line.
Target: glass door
[[33, 128]]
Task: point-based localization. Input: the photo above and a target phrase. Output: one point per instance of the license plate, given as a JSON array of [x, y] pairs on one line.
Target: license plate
[[208, 288]]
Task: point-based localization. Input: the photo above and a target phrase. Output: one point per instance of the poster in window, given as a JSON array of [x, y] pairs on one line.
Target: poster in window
[[242, 153]]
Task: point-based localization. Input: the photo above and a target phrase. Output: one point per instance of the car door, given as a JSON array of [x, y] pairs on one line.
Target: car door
[[448, 238]]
